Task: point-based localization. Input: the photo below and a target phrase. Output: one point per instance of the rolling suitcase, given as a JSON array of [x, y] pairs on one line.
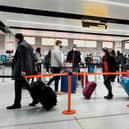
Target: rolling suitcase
[[44, 94], [64, 84], [91, 68], [89, 89], [84, 80], [125, 84]]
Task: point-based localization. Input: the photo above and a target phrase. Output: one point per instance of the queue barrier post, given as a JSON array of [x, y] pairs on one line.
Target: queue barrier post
[[69, 111]]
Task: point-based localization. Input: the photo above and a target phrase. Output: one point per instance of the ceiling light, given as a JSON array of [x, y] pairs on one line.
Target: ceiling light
[[15, 22], [110, 2], [94, 24]]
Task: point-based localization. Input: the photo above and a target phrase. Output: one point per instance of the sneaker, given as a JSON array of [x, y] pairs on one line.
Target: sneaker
[[13, 107]]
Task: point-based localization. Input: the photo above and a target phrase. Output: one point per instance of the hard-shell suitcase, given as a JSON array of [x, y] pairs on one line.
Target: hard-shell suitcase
[[64, 84], [44, 94], [89, 88], [91, 68], [125, 84]]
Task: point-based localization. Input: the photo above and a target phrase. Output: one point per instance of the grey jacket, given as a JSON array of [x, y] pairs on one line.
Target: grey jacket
[[23, 60], [56, 57]]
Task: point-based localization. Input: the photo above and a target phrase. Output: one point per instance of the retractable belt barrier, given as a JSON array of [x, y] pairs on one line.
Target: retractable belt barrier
[[69, 110], [75, 73], [65, 74]]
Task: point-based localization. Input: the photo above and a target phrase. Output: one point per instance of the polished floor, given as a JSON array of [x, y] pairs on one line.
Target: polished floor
[[96, 113]]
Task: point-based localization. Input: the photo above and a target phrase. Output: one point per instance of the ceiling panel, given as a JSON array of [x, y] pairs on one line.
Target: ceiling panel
[[56, 23], [115, 8], [68, 35]]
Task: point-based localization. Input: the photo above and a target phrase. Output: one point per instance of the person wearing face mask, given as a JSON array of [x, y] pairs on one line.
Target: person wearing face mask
[[74, 57], [22, 64], [109, 65], [56, 65]]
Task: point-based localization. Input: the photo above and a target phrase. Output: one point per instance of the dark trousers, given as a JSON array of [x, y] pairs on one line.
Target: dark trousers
[[107, 83], [19, 84], [38, 67], [56, 78], [47, 68]]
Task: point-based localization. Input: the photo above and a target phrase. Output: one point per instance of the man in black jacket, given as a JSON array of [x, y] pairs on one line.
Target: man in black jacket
[[23, 64], [74, 56]]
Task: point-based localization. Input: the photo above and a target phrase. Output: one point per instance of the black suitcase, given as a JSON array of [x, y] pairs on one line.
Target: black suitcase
[[44, 94]]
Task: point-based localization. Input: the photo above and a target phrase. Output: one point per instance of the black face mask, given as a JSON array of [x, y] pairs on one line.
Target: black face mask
[[61, 46]]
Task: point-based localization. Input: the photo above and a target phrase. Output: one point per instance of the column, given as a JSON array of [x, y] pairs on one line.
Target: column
[[10, 45], [118, 46]]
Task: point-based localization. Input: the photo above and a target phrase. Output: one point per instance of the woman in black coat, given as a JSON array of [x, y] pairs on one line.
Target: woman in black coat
[[109, 65]]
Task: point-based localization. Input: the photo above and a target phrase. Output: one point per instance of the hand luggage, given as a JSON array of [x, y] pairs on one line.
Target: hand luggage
[[64, 84], [84, 80], [125, 84], [89, 89], [91, 68], [44, 94]]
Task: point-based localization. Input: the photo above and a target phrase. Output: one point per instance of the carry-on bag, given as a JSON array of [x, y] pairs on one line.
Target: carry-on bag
[[64, 83], [84, 80], [44, 94], [89, 89], [125, 84], [91, 68]]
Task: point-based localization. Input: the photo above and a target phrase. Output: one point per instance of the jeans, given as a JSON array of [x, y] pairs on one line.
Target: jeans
[[56, 78]]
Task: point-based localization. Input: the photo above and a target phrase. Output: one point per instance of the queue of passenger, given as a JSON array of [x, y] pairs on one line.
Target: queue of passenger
[[25, 62]]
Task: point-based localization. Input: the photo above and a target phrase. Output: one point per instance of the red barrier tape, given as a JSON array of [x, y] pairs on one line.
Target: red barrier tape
[[109, 73], [82, 73], [45, 75]]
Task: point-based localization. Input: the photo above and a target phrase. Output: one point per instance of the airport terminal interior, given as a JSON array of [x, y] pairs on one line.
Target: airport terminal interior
[[88, 28]]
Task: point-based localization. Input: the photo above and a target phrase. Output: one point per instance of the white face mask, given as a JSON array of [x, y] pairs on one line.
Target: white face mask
[[74, 49]]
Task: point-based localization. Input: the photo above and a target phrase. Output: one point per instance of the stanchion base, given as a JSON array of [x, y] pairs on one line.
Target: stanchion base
[[66, 112], [128, 105]]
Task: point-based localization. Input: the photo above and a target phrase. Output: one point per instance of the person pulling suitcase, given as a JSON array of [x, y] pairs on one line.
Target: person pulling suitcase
[[23, 64]]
